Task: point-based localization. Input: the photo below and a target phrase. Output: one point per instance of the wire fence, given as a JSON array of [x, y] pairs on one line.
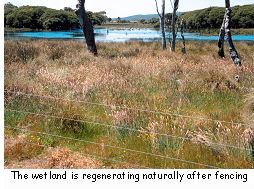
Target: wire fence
[[116, 147], [95, 156], [124, 128], [112, 126], [127, 108]]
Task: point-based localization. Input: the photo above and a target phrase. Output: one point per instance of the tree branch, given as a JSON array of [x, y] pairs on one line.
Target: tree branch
[[157, 9], [172, 4]]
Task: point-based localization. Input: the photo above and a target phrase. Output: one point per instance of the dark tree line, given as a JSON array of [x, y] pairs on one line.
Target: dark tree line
[[211, 18], [38, 17], [242, 17]]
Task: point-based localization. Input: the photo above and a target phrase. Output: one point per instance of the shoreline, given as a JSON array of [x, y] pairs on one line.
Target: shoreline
[[206, 32]]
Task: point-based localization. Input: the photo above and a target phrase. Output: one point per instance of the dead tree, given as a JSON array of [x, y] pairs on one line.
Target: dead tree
[[226, 31], [182, 30], [87, 27], [162, 23], [173, 40], [222, 39]]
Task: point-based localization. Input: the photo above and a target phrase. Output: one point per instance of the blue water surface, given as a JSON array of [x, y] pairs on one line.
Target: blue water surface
[[117, 35]]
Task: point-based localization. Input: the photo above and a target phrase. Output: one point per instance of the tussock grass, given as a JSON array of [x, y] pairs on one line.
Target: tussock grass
[[138, 76]]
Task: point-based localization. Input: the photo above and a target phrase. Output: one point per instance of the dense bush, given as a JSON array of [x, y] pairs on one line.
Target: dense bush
[[242, 17], [59, 20], [211, 18], [38, 17]]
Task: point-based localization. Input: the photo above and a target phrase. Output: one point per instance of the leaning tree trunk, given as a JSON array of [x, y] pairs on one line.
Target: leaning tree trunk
[[226, 30], [222, 39], [87, 27], [173, 41], [162, 23]]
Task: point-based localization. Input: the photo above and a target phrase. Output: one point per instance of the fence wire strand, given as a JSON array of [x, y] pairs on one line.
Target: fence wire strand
[[95, 156], [125, 128], [128, 108], [116, 147], [19, 93]]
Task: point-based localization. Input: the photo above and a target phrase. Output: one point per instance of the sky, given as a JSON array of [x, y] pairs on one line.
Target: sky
[[122, 8]]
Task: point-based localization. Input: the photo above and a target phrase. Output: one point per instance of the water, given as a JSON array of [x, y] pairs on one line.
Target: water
[[116, 35]]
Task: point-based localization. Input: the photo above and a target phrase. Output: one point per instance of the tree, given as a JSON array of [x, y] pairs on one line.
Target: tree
[[183, 38], [226, 30], [68, 9], [211, 18], [97, 18], [87, 27], [39, 17], [162, 23], [59, 20], [173, 40], [9, 6]]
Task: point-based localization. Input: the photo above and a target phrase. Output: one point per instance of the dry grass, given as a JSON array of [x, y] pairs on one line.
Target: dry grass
[[139, 76], [57, 158], [249, 109], [249, 118]]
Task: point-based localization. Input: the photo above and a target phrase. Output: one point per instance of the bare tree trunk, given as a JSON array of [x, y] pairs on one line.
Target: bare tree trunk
[[226, 30], [221, 39], [162, 23], [164, 42], [232, 50], [87, 27], [173, 41], [182, 30]]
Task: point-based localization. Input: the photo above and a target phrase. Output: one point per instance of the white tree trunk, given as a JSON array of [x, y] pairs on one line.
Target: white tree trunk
[[162, 23], [222, 39], [226, 30]]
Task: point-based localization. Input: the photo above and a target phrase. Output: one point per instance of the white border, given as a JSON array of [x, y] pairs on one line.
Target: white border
[[2, 93], [124, 182]]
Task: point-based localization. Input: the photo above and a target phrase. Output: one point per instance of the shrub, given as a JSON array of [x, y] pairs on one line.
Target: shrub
[[71, 125], [56, 52]]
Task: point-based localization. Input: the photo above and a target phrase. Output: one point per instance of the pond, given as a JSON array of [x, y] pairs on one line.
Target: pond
[[116, 35]]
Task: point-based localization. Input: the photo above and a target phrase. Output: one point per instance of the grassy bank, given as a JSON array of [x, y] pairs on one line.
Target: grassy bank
[[239, 31], [133, 105], [7, 29]]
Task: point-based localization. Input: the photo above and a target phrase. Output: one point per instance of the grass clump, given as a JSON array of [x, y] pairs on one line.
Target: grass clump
[[55, 51]]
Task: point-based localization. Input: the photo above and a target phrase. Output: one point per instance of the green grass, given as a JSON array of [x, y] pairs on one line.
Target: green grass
[[131, 79]]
